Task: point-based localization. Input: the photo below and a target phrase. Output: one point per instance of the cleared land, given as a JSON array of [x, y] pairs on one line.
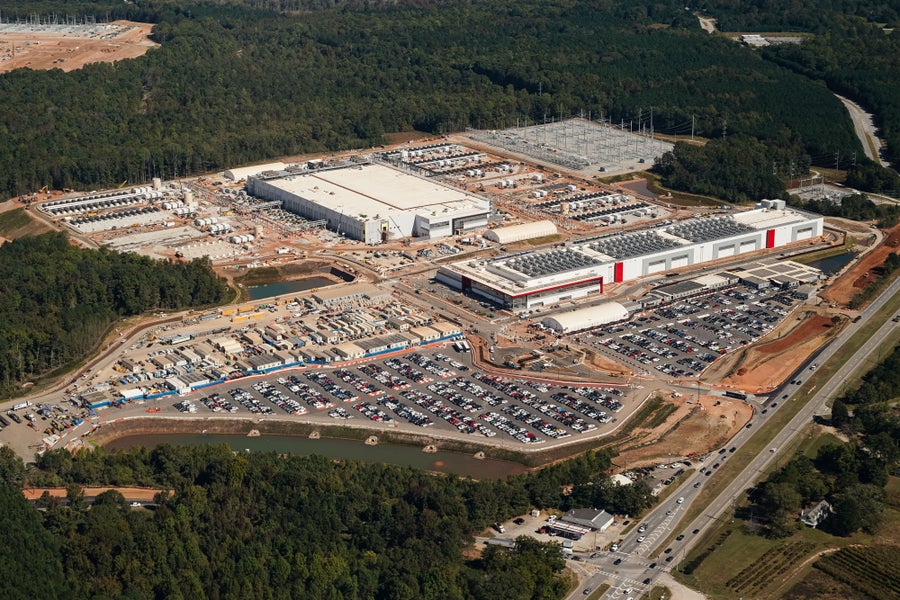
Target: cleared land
[[761, 368], [863, 273], [70, 48], [690, 428]]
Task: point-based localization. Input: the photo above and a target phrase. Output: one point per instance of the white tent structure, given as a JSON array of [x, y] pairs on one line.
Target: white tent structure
[[517, 233], [586, 318]]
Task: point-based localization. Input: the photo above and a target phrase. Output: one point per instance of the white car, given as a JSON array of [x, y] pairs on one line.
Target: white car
[[640, 540], [680, 500]]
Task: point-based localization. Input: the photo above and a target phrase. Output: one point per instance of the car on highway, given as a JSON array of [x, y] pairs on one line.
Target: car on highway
[[618, 561], [680, 500], [667, 551], [696, 485], [749, 425], [652, 565], [642, 529], [640, 540], [587, 590], [679, 538], [732, 449], [669, 558]]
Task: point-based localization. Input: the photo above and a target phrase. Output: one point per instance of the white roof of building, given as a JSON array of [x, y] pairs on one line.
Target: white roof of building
[[585, 318], [767, 218], [245, 172], [711, 281], [524, 231], [366, 191]]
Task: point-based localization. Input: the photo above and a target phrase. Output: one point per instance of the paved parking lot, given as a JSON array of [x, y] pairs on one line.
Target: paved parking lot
[[429, 388], [682, 339]]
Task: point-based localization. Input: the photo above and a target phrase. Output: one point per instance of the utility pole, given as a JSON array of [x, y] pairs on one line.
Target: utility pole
[[837, 162], [692, 128], [724, 129]]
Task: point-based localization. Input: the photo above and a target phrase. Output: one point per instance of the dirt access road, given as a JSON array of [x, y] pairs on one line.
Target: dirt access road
[[865, 130]]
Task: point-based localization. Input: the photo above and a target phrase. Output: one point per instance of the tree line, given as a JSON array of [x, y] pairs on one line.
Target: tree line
[[263, 525], [852, 206], [58, 300]]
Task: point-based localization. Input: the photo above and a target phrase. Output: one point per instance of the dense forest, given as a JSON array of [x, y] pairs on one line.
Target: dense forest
[[58, 300], [854, 49], [851, 475], [736, 169], [232, 84], [267, 526]]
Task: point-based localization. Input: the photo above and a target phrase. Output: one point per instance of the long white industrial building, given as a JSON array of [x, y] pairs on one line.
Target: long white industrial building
[[374, 203], [534, 279]]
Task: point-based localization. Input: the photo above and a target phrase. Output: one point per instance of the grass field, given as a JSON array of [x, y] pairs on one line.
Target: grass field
[[17, 223]]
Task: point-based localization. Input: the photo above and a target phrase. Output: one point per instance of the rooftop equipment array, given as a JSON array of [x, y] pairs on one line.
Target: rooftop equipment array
[[550, 263], [630, 245], [705, 230]]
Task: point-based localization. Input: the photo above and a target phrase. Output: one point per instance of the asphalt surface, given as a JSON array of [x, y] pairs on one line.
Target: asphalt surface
[[635, 557]]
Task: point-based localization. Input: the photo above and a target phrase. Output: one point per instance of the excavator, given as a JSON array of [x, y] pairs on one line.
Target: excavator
[[121, 185]]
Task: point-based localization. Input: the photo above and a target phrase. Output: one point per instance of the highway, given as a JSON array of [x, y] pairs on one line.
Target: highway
[[631, 566]]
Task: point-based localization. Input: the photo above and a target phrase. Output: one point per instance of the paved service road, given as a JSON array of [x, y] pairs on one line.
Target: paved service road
[[639, 562]]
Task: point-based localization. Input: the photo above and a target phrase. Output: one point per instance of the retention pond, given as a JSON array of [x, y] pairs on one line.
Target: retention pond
[[410, 456]]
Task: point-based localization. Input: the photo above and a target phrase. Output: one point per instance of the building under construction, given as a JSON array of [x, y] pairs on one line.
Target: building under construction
[[374, 203]]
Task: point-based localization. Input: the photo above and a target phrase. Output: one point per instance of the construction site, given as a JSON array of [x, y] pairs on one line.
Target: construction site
[[68, 44]]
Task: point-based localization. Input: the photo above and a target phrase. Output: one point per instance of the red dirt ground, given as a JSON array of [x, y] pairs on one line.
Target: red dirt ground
[[764, 367], [862, 274], [68, 52]]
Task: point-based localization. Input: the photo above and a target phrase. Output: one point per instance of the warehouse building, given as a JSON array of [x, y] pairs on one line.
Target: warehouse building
[[518, 233], [374, 203], [535, 279]]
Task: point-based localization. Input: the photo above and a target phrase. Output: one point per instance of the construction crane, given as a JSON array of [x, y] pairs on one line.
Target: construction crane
[[405, 239]]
